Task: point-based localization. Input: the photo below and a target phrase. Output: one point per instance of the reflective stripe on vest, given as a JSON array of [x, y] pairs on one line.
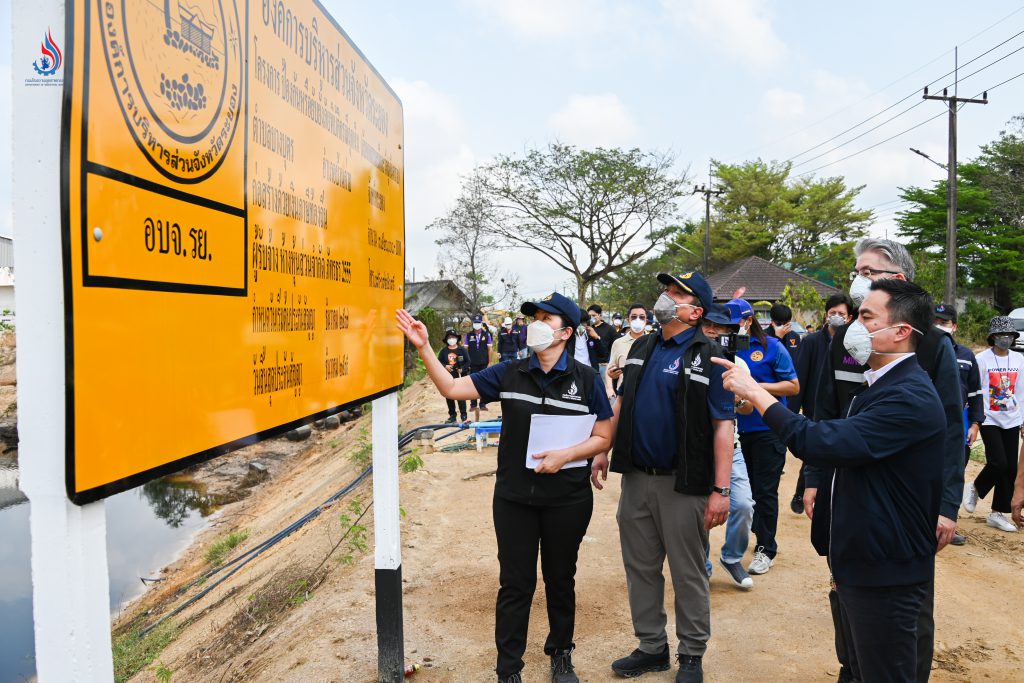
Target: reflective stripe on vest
[[846, 376], [536, 400], [697, 378], [633, 361]]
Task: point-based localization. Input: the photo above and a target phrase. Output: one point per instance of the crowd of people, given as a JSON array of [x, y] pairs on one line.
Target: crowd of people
[[695, 404]]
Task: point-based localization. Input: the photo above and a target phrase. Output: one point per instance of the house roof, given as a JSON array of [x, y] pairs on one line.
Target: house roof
[[763, 280], [441, 295]]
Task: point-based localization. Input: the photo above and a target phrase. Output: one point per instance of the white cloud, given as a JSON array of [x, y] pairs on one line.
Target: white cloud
[[782, 104], [594, 121], [740, 29], [437, 155]]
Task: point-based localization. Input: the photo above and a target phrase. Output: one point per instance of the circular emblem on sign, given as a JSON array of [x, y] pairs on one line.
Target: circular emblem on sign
[[756, 356], [176, 69]]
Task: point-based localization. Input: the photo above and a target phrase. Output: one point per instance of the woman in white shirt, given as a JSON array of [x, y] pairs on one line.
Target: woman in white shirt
[[1002, 372]]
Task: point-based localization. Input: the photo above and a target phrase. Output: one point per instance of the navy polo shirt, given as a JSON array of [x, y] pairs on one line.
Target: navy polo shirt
[[488, 383], [657, 396], [772, 364]]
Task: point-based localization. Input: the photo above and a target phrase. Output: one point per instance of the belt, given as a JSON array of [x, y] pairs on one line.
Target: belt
[[653, 471]]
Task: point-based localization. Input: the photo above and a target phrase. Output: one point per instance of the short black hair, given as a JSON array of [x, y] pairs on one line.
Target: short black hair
[[634, 306], [780, 314], [596, 308], [837, 299], [908, 303]]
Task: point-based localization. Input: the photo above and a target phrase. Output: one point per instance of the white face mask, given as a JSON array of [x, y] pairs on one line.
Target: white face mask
[[452, 341], [540, 336], [836, 321], [477, 326], [617, 322], [508, 326], [637, 325], [943, 328], [858, 341], [859, 289]]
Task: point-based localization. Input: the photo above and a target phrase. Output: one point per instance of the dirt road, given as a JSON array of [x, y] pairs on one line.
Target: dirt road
[[779, 631]]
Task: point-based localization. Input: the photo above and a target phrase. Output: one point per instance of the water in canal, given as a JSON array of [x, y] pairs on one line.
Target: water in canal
[[146, 529]]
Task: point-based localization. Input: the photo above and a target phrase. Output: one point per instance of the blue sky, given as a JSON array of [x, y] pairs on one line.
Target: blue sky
[[705, 79]]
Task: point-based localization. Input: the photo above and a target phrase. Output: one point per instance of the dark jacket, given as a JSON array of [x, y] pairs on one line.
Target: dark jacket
[[508, 341], [970, 384], [695, 457], [600, 349], [522, 396], [935, 355], [886, 489], [810, 363]]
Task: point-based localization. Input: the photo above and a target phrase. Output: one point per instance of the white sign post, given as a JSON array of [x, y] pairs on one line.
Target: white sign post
[[70, 586], [387, 541]]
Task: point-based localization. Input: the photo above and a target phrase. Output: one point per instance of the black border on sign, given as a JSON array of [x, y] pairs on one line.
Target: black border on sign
[[120, 485]]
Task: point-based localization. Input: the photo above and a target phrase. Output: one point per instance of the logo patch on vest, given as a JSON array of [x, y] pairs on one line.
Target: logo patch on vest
[[573, 394], [695, 365], [756, 356], [673, 368]]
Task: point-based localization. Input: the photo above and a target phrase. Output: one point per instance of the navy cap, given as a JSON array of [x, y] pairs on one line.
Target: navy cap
[[692, 282], [557, 304], [720, 315], [478, 318], [740, 309], [945, 312]]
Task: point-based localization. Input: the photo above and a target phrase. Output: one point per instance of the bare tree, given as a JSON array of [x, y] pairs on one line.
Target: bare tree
[[466, 243], [590, 212]]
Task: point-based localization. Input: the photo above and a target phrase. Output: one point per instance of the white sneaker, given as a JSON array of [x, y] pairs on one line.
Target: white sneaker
[[970, 497], [997, 520], [761, 562]]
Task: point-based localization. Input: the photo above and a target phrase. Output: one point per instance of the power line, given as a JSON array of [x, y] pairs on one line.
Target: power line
[[901, 101], [883, 88]]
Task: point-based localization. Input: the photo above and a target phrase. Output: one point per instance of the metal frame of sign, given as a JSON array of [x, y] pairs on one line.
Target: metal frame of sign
[[81, 497]]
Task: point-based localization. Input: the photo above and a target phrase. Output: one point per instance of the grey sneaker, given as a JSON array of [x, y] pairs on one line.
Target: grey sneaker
[[761, 562], [517, 677], [738, 574], [639, 662], [562, 669], [690, 670], [970, 497], [958, 539]]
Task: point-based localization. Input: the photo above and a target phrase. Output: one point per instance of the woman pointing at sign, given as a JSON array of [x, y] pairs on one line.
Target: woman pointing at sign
[[547, 506]]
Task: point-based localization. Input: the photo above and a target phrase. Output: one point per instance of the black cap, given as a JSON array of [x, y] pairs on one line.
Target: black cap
[[557, 304], [720, 315], [945, 312]]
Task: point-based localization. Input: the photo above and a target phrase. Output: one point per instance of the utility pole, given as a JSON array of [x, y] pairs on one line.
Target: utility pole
[[952, 102], [707, 192]]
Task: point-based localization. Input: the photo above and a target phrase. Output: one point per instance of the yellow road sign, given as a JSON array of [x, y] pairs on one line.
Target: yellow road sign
[[232, 187]]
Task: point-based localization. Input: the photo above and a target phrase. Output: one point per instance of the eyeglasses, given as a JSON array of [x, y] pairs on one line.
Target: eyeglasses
[[870, 273], [639, 316]]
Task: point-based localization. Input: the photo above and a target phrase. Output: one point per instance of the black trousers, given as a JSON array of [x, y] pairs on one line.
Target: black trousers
[[521, 529], [801, 484], [883, 622], [472, 369], [1000, 465], [925, 634], [765, 456], [451, 408]]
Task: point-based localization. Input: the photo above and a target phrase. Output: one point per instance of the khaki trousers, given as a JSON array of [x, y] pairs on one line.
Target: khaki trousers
[[656, 522]]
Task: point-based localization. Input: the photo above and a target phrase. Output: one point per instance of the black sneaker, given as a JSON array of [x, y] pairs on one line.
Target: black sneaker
[[640, 662], [690, 670], [738, 574], [797, 504], [450, 420], [517, 677], [958, 539], [562, 669], [846, 676]]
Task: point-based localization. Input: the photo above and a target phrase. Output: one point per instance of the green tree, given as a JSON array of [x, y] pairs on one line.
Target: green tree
[[806, 224], [591, 212], [990, 222]]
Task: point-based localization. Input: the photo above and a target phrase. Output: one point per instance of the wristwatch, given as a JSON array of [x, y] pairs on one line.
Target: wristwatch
[[722, 491]]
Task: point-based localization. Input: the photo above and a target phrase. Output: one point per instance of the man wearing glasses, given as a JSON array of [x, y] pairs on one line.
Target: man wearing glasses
[[842, 374], [636, 321]]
